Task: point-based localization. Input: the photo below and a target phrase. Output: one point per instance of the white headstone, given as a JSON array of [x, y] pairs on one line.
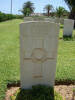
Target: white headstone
[[28, 19], [38, 53], [68, 27], [61, 20], [49, 19], [38, 19], [57, 20]]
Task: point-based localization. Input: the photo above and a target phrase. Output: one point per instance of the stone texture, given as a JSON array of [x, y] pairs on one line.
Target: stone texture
[[68, 27], [38, 19], [28, 19], [57, 20], [49, 19], [33, 19], [61, 20], [38, 53]]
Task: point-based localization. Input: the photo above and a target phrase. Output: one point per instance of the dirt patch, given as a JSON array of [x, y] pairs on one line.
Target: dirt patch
[[10, 92], [65, 90]]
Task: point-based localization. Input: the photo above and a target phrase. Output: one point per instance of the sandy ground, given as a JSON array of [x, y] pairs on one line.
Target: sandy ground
[[65, 90]]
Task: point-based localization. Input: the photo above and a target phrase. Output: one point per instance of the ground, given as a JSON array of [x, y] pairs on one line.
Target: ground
[[9, 56], [45, 93], [66, 91]]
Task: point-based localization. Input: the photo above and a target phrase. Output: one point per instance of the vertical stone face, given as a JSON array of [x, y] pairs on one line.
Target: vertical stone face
[[57, 20], [68, 27], [28, 19], [61, 20], [38, 53], [49, 19]]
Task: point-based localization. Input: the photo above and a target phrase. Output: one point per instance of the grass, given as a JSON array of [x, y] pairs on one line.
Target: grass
[[37, 93], [9, 56], [66, 61]]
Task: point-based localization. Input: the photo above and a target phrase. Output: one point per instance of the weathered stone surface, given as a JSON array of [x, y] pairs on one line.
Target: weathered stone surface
[[49, 19], [68, 27], [57, 20], [38, 19], [33, 19], [61, 20], [38, 53], [28, 19]]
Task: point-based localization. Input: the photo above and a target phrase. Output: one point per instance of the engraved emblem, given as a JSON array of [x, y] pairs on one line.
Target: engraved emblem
[[39, 55]]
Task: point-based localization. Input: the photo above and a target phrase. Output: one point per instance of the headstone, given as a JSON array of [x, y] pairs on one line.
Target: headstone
[[28, 19], [33, 19], [61, 20], [38, 53], [49, 19], [38, 19], [68, 27], [57, 20]]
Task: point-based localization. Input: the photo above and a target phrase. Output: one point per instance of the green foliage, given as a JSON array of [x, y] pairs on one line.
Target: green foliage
[[18, 16], [39, 92], [27, 8], [71, 5], [60, 11], [4, 17], [48, 8]]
